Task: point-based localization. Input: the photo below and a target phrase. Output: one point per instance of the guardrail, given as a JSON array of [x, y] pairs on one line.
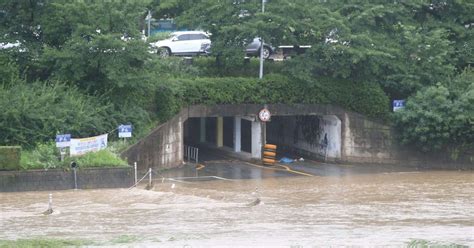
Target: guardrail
[[191, 154]]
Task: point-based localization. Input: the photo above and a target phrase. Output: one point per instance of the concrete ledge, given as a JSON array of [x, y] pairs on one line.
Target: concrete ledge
[[87, 178]]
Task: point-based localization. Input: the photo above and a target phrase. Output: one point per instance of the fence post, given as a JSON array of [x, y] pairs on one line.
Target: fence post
[[135, 170], [149, 172], [75, 178]]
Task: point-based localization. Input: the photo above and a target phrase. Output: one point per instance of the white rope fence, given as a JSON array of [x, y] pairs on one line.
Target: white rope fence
[[136, 183], [150, 172]]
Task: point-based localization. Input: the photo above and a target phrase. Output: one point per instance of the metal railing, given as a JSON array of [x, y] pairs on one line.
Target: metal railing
[[191, 154]]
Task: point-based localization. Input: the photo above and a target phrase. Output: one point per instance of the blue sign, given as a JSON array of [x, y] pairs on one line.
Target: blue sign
[[125, 131], [63, 140], [398, 104]]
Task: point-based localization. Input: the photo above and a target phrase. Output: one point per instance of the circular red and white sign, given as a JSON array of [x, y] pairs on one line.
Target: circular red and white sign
[[264, 115]]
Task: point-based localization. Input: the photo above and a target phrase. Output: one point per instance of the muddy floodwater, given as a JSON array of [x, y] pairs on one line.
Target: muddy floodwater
[[363, 210]]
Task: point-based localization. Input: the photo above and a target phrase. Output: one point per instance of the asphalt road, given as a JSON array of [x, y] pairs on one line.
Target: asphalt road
[[213, 165]]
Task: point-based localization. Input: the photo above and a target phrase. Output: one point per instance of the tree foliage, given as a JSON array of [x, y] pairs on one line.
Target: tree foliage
[[367, 98], [441, 116], [364, 53], [36, 112]]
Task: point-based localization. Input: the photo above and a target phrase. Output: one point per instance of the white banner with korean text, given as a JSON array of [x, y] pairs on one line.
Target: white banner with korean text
[[92, 144]]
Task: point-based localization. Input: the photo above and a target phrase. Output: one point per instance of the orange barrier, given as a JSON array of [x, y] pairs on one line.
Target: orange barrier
[[269, 154], [269, 147]]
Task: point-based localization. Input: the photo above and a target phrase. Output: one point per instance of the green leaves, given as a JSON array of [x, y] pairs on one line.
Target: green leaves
[[366, 98], [36, 112], [440, 117]]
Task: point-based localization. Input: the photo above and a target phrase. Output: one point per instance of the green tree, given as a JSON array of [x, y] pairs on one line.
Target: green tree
[[234, 24], [93, 47], [36, 112], [440, 117]]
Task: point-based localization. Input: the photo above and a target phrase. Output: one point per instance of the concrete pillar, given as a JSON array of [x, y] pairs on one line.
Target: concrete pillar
[[202, 130], [256, 140], [180, 140], [237, 134], [220, 132]]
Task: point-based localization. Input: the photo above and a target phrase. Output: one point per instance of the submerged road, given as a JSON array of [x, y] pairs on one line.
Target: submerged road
[[216, 164]]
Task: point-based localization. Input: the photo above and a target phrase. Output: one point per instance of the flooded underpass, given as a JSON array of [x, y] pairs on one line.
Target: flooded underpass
[[390, 207]]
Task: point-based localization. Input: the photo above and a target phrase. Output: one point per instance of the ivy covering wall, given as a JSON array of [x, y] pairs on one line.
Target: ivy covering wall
[[365, 98]]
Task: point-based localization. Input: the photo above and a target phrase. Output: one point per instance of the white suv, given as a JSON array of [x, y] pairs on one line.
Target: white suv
[[183, 43], [198, 42]]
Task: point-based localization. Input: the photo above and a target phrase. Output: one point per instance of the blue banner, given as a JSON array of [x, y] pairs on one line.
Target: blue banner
[[63, 140], [125, 131], [398, 104]]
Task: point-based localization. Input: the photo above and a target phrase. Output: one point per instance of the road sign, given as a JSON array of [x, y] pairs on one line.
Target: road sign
[[125, 131], [264, 115], [63, 140], [398, 104]]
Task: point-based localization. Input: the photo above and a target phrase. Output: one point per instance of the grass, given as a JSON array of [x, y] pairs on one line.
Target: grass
[[102, 158], [123, 239], [53, 243], [421, 243], [46, 156], [50, 243]]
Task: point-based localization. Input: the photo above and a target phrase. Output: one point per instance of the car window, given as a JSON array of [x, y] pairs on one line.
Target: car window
[[195, 37], [199, 37], [183, 37]]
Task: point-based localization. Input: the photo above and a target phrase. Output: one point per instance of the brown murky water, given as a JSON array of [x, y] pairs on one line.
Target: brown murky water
[[364, 210]]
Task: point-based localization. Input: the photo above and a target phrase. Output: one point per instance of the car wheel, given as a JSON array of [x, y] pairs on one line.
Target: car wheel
[[266, 52], [164, 52]]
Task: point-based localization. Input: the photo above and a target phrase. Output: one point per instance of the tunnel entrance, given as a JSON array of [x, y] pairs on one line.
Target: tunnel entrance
[[210, 129], [246, 137], [228, 132], [191, 131], [315, 136], [223, 135]]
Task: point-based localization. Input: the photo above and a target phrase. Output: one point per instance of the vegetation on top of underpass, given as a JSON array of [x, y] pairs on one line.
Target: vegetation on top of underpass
[[365, 98], [83, 68]]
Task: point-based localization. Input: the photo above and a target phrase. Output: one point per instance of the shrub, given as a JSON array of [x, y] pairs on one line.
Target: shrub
[[10, 157], [35, 113], [46, 156], [102, 158], [439, 118], [365, 98]]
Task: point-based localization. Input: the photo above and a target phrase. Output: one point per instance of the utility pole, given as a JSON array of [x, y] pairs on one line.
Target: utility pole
[[261, 46], [148, 18]]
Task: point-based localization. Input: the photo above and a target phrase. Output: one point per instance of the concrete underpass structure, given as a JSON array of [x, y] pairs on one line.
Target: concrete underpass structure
[[323, 132]]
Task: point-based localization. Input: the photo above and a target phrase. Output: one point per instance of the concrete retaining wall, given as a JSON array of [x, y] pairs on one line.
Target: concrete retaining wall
[[90, 178], [361, 140], [367, 141], [162, 148]]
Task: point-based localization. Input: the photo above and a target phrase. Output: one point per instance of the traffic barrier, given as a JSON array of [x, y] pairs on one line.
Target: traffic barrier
[[270, 147], [269, 154]]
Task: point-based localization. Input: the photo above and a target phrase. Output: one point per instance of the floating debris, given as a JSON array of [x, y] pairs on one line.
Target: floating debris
[[254, 203]]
